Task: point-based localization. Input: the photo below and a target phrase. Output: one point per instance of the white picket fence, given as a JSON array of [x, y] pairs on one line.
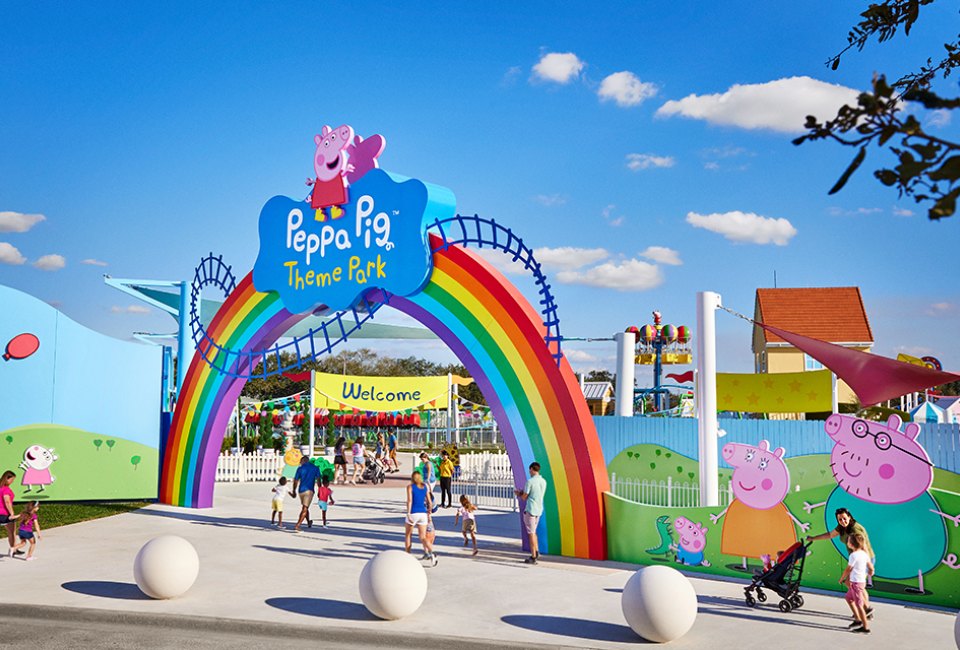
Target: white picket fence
[[485, 464], [245, 468], [669, 493], [486, 479]]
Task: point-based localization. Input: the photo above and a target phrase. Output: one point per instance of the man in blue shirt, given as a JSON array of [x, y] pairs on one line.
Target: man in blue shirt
[[304, 485], [533, 493]]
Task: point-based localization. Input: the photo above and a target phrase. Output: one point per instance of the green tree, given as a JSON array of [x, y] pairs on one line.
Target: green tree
[[135, 460], [97, 443], [928, 166], [110, 444]]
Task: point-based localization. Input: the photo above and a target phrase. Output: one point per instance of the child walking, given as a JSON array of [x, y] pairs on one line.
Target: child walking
[[324, 498], [276, 504], [468, 512], [29, 532], [854, 576]]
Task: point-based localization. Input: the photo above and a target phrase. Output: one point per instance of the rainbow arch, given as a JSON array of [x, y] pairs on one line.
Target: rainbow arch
[[496, 334]]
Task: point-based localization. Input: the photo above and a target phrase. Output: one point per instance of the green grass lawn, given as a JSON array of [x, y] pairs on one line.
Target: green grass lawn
[[61, 514]]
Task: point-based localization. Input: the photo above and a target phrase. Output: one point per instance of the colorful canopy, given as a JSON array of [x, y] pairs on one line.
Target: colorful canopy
[[873, 378]]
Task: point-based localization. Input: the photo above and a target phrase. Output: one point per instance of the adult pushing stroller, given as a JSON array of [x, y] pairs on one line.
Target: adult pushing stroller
[[373, 471], [783, 578]]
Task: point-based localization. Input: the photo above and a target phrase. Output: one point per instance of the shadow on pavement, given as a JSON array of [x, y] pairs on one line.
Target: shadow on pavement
[[104, 589], [574, 627], [323, 608]]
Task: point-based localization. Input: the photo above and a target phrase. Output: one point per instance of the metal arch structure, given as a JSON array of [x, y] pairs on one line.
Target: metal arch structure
[[457, 230]]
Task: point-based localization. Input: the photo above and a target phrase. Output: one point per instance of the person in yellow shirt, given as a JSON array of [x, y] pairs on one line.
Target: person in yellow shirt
[[446, 480]]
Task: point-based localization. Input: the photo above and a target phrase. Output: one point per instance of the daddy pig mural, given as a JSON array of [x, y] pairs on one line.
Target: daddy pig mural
[[883, 476], [757, 522]]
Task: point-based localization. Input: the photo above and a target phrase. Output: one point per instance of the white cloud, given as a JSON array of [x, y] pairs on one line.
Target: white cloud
[[638, 161], [550, 200], [711, 165], [663, 255], [939, 118], [902, 212], [628, 275], [130, 309], [941, 309], [780, 105], [51, 262], [611, 220], [92, 262], [578, 356], [745, 227], [563, 258], [18, 221], [9, 254], [510, 76], [625, 89], [843, 212], [558, 67]]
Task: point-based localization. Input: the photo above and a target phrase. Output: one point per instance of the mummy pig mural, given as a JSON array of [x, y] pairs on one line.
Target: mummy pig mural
[[757, 522], [883, 478]]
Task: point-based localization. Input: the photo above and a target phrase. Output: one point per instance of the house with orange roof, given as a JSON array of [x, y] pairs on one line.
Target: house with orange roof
[[832, 314]]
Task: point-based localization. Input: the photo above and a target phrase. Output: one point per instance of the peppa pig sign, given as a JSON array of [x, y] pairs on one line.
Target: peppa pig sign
[[361, 228]]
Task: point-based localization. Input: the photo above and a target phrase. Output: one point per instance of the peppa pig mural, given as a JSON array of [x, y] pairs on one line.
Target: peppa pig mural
[[883, 477], [757, 522], [692, 542], [36, 467]]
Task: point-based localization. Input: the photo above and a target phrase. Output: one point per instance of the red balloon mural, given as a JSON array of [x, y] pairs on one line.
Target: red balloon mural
[[21, 346]]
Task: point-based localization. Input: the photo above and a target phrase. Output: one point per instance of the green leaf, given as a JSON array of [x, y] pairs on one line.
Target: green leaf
[[948, 171], [857, 161]]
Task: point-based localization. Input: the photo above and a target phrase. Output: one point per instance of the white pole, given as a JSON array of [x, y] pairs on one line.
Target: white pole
[[626, 371], [456, 411], [450, 406], [834, 395], [707, 304], [313, 438], [238, 425]]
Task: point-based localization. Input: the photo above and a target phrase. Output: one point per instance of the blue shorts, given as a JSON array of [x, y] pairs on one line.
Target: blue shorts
[[322, 505], [25, 534]]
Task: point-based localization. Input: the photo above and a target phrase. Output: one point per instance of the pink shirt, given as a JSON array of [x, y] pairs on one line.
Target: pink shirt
[[5, 491], [467, 514], [27, 526]]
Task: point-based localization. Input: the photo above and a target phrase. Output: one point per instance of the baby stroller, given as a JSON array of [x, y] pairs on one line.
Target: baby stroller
[[373, 471], [783, 578]]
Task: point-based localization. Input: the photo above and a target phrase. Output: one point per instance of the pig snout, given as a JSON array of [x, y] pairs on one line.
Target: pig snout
[[727, 452], [833, 426]]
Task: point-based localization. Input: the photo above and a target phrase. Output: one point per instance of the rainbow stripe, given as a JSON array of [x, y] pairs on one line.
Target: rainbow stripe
[[494, 332]]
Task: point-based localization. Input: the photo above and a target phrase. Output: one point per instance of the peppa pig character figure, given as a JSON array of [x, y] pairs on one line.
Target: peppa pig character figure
[[757, 522], [692, 542], [331, 165], [883, 476], [36, 467]]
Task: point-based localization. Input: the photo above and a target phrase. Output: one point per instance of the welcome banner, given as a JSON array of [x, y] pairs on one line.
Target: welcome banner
[[337, 392], [787, 392]]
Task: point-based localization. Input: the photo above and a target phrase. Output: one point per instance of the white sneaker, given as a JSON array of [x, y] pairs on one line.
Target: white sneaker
[[434, 559]]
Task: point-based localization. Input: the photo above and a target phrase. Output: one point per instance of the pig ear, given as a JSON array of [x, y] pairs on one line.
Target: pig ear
[[912, 430], [317, 139], [894, 421], [325, 130], [764, 445], [779, 452]]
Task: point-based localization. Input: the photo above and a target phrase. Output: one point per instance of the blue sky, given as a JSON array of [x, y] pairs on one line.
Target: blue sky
[[150, 134]]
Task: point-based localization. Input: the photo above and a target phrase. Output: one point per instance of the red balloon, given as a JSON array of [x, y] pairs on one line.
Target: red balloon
[[22, 346]]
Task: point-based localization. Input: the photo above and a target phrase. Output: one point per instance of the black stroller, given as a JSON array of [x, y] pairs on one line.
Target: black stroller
[[783, 578], [373, 471]]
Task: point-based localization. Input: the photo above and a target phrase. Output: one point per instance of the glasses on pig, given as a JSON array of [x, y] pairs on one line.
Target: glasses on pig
[[882, 440]]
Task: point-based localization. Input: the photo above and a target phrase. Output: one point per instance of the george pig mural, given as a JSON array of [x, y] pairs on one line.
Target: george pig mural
[[757, 522], [883, 478]]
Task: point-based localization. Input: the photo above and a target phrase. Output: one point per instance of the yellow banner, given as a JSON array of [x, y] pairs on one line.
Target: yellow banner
[[906, 358], [786, 392], [339, 392]]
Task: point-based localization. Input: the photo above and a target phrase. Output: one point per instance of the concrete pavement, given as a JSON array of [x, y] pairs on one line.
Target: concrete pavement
[[252, 574]]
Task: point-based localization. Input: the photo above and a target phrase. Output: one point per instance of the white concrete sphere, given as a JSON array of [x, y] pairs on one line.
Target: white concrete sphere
[[393, 585], [166, 567], [659, 603]]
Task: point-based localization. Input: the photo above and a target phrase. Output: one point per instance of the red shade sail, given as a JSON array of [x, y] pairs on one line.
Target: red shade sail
[[873, 378]]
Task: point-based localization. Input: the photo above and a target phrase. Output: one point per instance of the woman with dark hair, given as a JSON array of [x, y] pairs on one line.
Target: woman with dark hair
[[847, 526], [339, 461], [8, 517]]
